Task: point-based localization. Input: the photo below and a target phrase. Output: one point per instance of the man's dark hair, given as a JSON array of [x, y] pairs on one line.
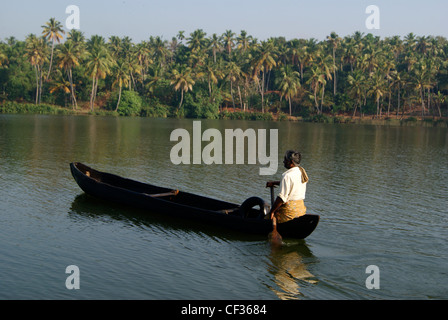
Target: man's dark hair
[[293, 156]]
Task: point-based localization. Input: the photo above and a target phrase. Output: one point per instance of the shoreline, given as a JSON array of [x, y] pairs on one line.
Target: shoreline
[[13, 107]]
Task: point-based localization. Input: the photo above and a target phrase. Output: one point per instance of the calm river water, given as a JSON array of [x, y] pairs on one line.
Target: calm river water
[[381, 193]]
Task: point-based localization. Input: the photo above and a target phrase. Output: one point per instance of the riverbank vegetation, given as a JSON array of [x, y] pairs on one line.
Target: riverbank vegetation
[[229, 76]]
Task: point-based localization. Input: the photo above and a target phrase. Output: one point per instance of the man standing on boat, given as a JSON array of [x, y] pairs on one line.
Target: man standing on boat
[[289, 203]]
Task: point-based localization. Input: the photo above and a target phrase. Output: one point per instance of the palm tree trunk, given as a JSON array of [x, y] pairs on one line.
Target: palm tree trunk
[[262, 94], [301, 73], [40, 85], [290, 109], [133, 81], [246, 105], [37, 84], [231, 94], [91, 95], [210, 89], [315, 99], [423, 101], [378, 107], [95, 91], [241, 98], [119, 98], [268, 80], [334, 72], [354, 112], [381, 111], [143, 76], [322, 100], [181, 99], [72, 89], [51, 60], [388, 107]]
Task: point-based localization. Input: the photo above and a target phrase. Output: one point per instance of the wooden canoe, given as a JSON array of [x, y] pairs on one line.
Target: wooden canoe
[[244, 218]]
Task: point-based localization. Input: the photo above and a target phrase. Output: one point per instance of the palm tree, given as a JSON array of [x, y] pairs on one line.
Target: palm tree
[[423, 45], [159, 50], [326, 67], [371, 57], [289, 84], [143, 56], [234, 74], [215, 45], [69, 55], [440, 99], [127, 46], [96, 42], [349, 52], [214, 73], [377, 89], [121, 73], [357, 89], [114, 46], [77, 37], [265, 60], [37, 52], [243, 41], [304, 57], [396, 46], [398, 82], [316, 78], [228, 38], [60, 84], [52, 31], [98, 66], [173, 46], [197, 40], [182, 79], [133, 65], [283, 52], [334, 41], [421, 76], [181, 35]]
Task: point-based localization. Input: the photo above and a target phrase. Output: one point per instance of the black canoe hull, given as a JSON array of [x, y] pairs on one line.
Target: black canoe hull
[[185, 205]]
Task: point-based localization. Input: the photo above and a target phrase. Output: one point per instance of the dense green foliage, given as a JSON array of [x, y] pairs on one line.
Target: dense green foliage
[[228, 76], [14, 107], [130, 103]]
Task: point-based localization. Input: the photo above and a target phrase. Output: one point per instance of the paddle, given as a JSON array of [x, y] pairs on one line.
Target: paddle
[[274, 237]]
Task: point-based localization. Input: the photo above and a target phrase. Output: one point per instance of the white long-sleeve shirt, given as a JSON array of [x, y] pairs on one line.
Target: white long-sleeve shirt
[[291, 186]]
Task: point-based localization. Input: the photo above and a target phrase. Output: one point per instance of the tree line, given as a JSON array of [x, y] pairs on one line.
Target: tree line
[[197, 75]]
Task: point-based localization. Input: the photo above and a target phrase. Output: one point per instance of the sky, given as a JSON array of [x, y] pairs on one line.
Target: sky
[[262, 19]]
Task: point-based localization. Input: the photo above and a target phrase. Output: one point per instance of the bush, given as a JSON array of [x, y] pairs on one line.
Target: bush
[[320, 118], [240, 115], [16, 107], [262, 116], [155, 111], [198, 105], [130, 103], [411, 119]]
